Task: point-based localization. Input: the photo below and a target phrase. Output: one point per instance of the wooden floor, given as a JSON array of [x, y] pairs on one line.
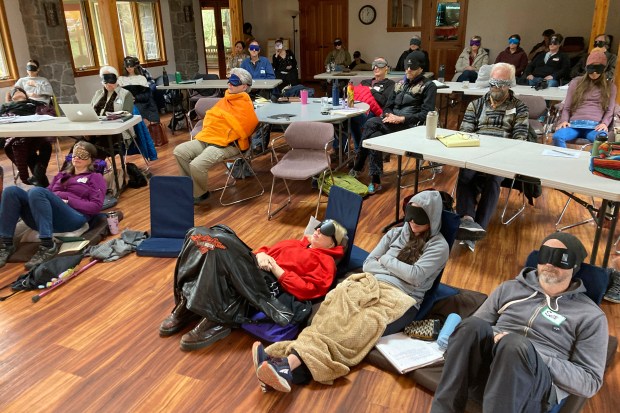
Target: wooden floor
[[93, 344]]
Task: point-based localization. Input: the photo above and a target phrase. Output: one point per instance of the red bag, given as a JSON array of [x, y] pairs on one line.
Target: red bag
[[158, 134]]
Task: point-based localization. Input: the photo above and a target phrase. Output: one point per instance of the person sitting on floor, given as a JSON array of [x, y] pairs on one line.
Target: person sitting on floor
[[401, 268], [589, 105], [407, 106], [498, 113], [75, 195], [303, 269], [27, 153], [534, 341], [231, 120]]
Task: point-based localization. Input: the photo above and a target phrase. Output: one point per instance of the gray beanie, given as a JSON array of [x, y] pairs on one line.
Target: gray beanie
[[573, 245]]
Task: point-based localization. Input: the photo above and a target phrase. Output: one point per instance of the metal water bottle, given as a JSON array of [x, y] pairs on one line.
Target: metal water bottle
[[600, 138], [441, 76], [335, 95], [431, 124], [112, 218]]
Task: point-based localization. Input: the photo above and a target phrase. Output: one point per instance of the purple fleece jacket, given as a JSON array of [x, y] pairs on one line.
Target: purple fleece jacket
[[85, 192]]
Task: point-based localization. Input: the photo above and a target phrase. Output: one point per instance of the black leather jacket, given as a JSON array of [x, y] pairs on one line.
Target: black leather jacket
[[220, 277], [413, 100]]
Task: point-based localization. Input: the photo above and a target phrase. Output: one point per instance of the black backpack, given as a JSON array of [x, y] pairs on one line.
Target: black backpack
[[43, 273], [136, 178]]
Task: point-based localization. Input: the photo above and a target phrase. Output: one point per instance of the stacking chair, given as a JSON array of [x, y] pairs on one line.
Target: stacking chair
[[200, 109], [537, 109], [172, 215], [309, 156], [239, 162]]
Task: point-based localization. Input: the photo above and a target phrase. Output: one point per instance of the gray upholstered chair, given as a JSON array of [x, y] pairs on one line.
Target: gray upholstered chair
[[200, 109]]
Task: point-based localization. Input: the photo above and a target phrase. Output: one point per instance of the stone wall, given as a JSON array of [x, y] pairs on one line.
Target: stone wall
[[183, 39], [49, 46]]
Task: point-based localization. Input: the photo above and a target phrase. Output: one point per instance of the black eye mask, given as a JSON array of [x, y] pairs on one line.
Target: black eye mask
[[558, 257], [328, 229], [600, 43], [110, 78], [416, 214], [32, 68], [595, 68]]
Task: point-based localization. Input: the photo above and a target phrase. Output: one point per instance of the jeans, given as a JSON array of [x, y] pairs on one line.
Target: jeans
[[561, 136], [537, 80], [41, 210], [469, 185]]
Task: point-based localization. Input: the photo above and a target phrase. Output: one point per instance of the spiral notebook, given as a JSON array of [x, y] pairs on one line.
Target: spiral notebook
[[459, 140]]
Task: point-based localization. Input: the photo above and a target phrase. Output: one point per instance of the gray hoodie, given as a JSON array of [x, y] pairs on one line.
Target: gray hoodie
[[414, 279], [568, 331]]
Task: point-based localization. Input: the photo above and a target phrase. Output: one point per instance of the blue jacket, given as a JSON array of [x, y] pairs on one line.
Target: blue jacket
[[261, 70]]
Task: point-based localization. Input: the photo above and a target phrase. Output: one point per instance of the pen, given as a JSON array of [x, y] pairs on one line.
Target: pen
[[563, 153]]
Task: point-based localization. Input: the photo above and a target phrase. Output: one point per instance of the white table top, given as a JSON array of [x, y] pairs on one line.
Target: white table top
[[64, 127], [568, 174], [414, 140], [551, 93], [309, 113], [220, 84], [362, 74]]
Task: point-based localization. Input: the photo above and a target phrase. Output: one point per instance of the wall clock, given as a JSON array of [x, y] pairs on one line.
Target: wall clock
[[367, 14]]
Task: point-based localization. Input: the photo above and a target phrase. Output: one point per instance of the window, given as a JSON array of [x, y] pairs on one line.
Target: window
[[88, 28], [404, 15], [8, 69]]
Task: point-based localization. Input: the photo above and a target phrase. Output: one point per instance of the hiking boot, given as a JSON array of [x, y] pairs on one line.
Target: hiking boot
[[275, 373], [613, 292], [258, 357], [469, 230], [178, 319], [203, 335], [43, 254], [5, 253]]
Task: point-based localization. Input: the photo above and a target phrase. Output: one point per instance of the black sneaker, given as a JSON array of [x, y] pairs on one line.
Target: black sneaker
[[5, 253], [199, 200], [43, 254], [258, 357], [275, 373]]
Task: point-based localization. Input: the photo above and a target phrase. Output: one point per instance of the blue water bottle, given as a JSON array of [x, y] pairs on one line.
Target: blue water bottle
[[335, 96]]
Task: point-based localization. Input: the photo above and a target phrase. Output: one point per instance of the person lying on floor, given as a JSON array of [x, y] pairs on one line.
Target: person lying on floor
[[281, 277], [71, 200], [354, 315]]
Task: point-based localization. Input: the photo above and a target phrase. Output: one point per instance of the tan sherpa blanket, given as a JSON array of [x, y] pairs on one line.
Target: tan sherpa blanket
[[348, 324]]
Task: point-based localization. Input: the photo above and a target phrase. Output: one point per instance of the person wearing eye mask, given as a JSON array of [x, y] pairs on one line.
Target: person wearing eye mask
[[36, 87], [534, 341], [589, 104], [284, 65], [71, 200], [602, 42], [542, 46], [472, 58], [514, 55], [552, 66]]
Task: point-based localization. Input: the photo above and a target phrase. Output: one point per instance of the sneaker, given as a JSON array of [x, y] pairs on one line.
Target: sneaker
[[613, 292], [199, 200], [374, 188], [469, 230], [5, 253], [354, 173], [258, 357], [470, 244], [43, 254], [275, 373]]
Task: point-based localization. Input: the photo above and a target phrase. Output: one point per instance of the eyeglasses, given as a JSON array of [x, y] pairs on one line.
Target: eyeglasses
[[499, 83], [254, 48], [378, 64]]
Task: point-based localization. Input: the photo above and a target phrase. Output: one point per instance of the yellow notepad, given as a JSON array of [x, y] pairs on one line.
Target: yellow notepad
[[459, 140]]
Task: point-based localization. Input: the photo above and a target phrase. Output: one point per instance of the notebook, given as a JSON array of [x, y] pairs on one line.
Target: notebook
[[79, 112], [458, 140], [407, 354]]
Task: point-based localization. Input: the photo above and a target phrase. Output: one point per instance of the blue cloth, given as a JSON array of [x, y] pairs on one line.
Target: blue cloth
[[144, 140], [41, 210], [261, 70], [561, 136]]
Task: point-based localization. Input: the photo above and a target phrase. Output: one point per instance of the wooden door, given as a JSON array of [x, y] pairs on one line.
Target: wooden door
[[444, 34], [320, 22]]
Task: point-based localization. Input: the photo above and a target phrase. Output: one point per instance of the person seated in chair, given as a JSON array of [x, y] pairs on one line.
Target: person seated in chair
[[357, 60], [603, 43], [498, 113], [541, 47], [414, 44], [514, 55], [470, 61], [284, 65], [258, 67], [407, 106], [71, 200], [534, 341], [134, 81], [397, 273], [27, 153], [589, 105], [301, 269], [552, 66], [232, 120]]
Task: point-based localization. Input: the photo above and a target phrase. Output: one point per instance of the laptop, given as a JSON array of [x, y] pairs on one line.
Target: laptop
[[80, 112]]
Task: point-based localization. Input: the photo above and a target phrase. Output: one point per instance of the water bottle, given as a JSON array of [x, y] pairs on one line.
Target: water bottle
[[441, 76], [600, 138], [448, 328], [431, 124], [335, 96], [177, 77], [165, 78]]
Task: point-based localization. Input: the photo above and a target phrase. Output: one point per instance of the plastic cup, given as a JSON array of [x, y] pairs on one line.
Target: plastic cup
[[303, 94], [465, 84]]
